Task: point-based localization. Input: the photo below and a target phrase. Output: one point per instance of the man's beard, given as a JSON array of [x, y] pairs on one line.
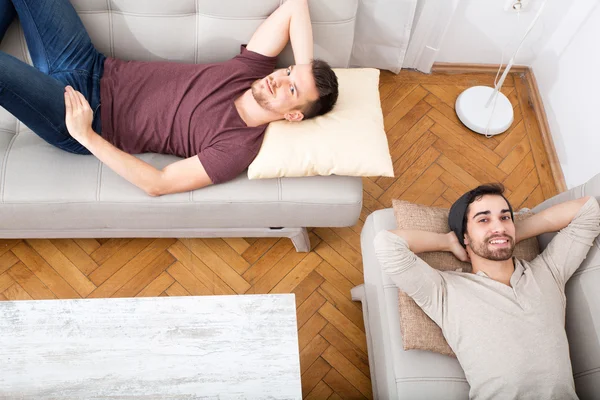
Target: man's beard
[[482, 249], [260, 96]]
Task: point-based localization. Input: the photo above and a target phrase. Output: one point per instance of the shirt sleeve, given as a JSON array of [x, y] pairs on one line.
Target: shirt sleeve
[[258, 63], [224, 163], [424, 284], [567, 250]]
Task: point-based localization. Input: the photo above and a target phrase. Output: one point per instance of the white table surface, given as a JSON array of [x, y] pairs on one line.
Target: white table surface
[[225, 347]]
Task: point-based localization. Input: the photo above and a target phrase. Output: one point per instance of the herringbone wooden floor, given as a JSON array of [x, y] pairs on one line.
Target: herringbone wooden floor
[[435, 160]]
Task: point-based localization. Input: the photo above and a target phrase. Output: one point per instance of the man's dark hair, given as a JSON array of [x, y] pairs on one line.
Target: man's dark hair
[[457, 217], [327, 85]]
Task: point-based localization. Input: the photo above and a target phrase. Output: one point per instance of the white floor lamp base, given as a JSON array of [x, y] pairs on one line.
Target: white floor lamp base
[[471, 110]]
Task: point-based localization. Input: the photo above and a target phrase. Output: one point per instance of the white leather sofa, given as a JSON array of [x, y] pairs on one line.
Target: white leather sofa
[[417, 374], [48, 193]]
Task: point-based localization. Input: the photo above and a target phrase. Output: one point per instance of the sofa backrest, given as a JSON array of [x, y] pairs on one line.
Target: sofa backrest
[[203, 31], [583, 303]]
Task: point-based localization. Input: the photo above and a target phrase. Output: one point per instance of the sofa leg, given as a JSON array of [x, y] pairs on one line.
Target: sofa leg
[[301, 241]]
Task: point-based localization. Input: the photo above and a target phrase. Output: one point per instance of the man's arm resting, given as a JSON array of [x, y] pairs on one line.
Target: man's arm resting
[[552, 219], [423, 242], [181, 176], [290, 22]]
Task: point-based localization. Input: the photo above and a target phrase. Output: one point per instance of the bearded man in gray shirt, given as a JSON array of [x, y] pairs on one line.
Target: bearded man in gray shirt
[[505, 320]]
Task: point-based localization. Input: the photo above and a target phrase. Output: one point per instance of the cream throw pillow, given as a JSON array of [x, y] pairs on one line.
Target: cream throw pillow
[[349, 140]]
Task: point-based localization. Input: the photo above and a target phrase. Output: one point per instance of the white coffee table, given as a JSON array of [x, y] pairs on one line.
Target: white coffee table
[[226, 347]]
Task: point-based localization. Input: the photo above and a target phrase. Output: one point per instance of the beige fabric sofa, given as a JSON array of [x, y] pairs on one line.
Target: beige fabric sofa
[[48, 193]]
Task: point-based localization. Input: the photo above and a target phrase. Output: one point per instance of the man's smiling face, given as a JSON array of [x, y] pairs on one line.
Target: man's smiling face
[[286, 91], [490, 231]]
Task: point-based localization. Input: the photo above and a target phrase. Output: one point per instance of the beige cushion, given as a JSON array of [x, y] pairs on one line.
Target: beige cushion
[[349, 140], [417, 329]]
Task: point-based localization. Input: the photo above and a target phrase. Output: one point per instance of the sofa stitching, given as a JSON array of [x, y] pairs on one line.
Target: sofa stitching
[[199, 14], [99, 180], [110, 28], [424, 379], [197, 32]]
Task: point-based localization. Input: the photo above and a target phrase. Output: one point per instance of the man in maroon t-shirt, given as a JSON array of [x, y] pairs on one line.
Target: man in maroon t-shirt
[[213, 115]]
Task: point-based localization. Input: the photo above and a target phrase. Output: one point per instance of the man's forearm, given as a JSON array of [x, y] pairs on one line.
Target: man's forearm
[[301, 36], [138, 172], [422, 241], [552, 219]]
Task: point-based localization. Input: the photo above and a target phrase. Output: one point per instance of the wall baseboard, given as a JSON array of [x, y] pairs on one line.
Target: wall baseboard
[[535, 100]]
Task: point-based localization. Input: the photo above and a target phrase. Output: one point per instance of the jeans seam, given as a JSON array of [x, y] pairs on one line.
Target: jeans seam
[[37, 32], [34, 109], [77, 71]]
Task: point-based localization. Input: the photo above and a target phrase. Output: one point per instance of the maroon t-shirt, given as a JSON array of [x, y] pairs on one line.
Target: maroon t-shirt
[[184, 110]]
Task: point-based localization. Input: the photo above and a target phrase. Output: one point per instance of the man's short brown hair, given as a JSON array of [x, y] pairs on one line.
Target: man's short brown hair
[[327, 86]]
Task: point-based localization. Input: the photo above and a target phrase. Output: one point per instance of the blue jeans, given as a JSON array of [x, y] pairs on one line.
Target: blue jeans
[[62, 54]]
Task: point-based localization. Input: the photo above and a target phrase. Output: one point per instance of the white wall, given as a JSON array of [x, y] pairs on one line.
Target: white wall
[[564, 54]]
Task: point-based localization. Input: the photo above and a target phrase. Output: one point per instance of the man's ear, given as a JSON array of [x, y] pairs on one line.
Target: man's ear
[[294, 116], [466, 239]]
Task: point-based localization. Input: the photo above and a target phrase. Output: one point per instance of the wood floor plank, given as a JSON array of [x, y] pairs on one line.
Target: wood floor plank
[[407, 123], [371, 204], [157, 286], [268, 261], [310, 329], [61, 264], [538, 149], [88, 245], [343, 324], [6, 281], [132, 268], [409, 176], [348, 370], [341, 246], [422, 183], [403, 139], [339, 263], [340, 301], [402, 164], [515, 157], [320, 392], [279, 271], [309, 308], [7, 244], [108, 249], [16, 292], [335, 278], [439, 78], [2, 297], [30, 283], [371, 187], [176, 290], [341, 386], [217, 265], [432, 193], [36, 264], [512, 138], [441, 202], [76, 255], [311, 352], [402, 108], [450, 113], [238, 244], [515, 178], [117, 259], [186, 279], [228, 254], [258, 248], [146, 276], [307, 286], [456, 177], [298, 274], [479, 172], [7, 260], [199, 269], [524, 189], [349, 236], [338, 340], [400, 92], [313, 375], [534, 199]]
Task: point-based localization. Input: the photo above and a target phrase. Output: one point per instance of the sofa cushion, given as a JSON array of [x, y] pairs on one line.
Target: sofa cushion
[[418, 330], [349, 140]]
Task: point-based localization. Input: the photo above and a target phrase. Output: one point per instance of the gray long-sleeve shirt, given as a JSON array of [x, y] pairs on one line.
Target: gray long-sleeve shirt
[[510, 340]]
